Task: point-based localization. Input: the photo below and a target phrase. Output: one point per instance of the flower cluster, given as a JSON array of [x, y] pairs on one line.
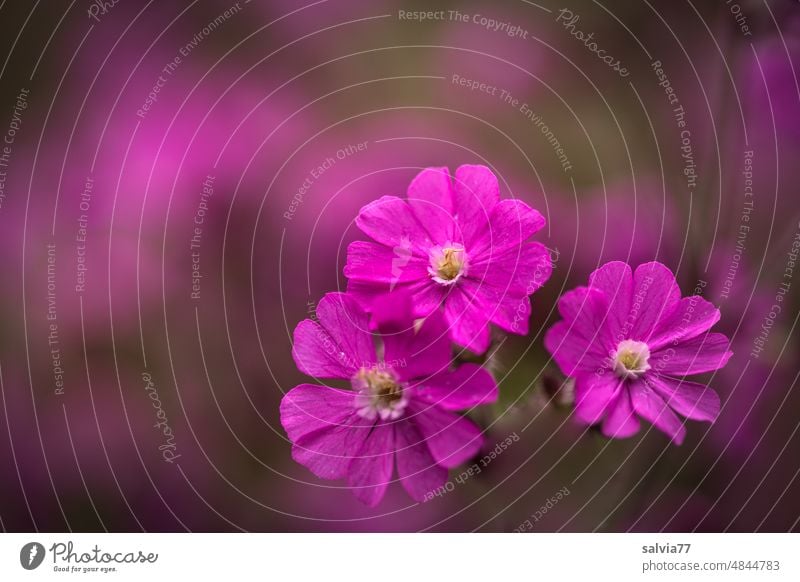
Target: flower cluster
[[400, 408], [628, 339], [455, 246], [445, 264]]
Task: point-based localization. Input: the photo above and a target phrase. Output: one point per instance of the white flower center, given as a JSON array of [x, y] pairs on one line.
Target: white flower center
[[448, 263], [379, 394], [631, 359]]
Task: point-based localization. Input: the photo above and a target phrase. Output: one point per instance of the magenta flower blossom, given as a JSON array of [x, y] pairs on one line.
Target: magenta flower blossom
[[453, 244], [628, 339], [400, 408]]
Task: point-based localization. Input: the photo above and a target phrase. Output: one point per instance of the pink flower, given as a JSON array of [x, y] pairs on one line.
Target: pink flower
[[453, 243], [628, 339], [400, 408]]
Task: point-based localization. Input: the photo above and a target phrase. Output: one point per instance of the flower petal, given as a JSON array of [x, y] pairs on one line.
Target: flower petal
[[650, 406], [427, 295], [414, 353], [370, 472], [468, 319], [689, 399], [433, 185], [511, 223], [430, 196], [468, 386], [475, 193], [573, 353], [308, 407], [621, 421], [692, 316], [327, 452], [368, 261], [517, 271], [504, 282], [615, 280], [702, 354], [452, 439], [418, 471], [348, 324], [655, 296], [581, 343], [593, 395], [586, 307], [392, 312], [317, 354], [513, 314], [390, 221]]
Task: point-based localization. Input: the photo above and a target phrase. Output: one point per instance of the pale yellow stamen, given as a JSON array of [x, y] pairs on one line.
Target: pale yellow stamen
[[631, 359], [448, 263], [379, 394]]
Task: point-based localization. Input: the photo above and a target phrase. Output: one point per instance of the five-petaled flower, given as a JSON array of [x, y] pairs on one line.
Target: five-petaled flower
[[464, 249], [628, 339], [401, 406]]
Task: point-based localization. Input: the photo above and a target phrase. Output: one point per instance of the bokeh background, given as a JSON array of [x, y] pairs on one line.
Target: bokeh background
[[143, 361]]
